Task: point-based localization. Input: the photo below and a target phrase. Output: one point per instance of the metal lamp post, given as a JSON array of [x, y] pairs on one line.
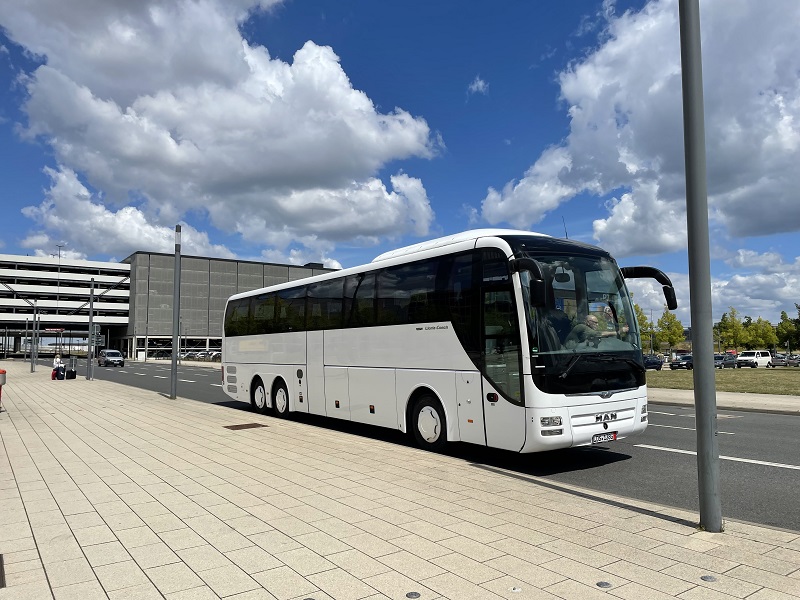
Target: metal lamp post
[[176, 315]]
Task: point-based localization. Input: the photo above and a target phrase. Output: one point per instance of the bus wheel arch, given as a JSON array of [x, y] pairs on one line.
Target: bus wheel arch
[[280, 398], [259, 400], [427, 421]]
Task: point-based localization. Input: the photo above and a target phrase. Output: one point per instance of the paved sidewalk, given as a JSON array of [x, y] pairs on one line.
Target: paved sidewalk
[[730, 400], [108, 491]]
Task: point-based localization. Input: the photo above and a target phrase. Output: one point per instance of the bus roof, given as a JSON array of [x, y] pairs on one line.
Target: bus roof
[[473, 234]]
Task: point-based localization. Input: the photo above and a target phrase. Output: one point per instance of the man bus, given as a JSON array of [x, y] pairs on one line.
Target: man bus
[[462, 338]]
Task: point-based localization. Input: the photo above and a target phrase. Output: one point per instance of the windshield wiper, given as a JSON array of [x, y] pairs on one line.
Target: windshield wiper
[[612, 358], [573, 361]]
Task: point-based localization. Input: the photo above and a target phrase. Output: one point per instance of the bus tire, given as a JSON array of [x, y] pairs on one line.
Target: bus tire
[[428, 423], [258, 396], [280, 399]]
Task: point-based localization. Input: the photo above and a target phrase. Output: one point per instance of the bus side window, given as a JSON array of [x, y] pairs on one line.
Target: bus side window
[[264, 313], [237, 318], [290, 310], [325, 304], [359, 300], [462, 303]]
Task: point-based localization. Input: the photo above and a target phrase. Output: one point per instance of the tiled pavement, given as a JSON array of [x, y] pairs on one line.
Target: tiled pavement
[[108, 491]]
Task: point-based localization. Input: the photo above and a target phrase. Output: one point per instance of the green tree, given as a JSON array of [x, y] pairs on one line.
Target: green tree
[[732, 331], [761, 334], [645, 327], [787, 333], [670, 329]]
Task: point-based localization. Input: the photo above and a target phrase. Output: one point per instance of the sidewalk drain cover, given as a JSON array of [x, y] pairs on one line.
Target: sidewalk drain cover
[[245, 426]]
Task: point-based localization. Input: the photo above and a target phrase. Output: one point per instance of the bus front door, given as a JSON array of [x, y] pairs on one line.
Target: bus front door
[[503, 405]]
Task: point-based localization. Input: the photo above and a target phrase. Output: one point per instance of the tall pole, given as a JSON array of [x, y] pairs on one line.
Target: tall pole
[[90, 338], [25, 351], [33, 337], [705, 395], [176, 315], [58, 279]]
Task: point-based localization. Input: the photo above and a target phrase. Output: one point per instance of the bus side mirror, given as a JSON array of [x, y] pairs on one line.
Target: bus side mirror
[[659, 276], [538, 295], [538, 291], [669, 294]]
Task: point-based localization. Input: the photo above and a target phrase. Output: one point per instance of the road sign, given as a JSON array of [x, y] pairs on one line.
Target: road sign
[[98, 340]]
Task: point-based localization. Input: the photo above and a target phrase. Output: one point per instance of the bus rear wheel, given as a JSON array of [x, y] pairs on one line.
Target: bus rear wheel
[[428, 423], [258, 397], [280, 400]]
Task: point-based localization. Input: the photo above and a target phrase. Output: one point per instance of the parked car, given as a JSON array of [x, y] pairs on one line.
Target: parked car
[[110, 357], [214, 356], [724, 361], [754, 358], [780, 360], [653, 361], [684, 361], [793, 360]]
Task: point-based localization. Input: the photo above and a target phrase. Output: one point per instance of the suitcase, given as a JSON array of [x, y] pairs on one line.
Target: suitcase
[[71, 374], [60, 373]]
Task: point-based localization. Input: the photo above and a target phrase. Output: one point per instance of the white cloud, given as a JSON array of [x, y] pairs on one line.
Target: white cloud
[[478, 86], [89, 229], [626, 137], [165, 110]]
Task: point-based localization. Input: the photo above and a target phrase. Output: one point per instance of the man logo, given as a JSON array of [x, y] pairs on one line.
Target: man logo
[[603, 417]]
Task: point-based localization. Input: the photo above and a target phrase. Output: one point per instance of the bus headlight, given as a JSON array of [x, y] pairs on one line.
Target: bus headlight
[[550, 421], [644, 408]]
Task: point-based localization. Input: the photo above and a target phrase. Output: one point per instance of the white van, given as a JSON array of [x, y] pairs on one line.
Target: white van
[[754, 358]]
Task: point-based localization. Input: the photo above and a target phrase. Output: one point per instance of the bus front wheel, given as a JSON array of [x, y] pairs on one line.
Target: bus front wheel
[[280, 400], [428, 423], [258, 399]]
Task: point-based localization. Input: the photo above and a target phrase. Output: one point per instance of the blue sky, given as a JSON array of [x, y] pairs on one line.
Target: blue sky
[[298, 131]]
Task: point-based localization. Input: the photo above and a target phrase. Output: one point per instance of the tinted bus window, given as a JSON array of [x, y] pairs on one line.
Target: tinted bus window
[[290, 310], [359, 300], [407, 294], [264, 313], [462, 301], [325, 304], [237, 317]]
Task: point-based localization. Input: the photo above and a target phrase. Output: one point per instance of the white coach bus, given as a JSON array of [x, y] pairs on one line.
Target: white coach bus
[[508, 339]]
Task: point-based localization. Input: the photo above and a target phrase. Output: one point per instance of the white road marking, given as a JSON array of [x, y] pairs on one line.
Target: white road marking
[[653, 412], [732, 458], [217, 384], [688, 428], [718, 416], [159, 376], [187, 380], [140, 373]]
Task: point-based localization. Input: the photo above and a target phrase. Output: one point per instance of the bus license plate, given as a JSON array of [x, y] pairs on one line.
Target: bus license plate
[[600, 438]]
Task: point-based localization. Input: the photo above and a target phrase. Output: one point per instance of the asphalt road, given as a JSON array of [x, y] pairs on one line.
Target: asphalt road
[[759, 452]]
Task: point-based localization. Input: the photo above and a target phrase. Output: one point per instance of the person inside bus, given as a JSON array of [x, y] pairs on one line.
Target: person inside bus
[[588, 333]]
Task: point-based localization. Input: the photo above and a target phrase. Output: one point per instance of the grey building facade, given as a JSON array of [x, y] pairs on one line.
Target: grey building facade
[[206, 284]]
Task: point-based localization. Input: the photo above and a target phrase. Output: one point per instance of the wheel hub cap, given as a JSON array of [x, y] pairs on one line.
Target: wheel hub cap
[[260, 397], [429, 425], [280, 401]]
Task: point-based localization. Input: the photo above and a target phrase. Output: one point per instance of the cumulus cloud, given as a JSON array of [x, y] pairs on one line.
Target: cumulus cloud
[[623, 100], [88, 228], [165, 110]]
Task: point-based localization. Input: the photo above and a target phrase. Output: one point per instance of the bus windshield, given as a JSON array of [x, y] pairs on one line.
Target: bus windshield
[[586, 332]]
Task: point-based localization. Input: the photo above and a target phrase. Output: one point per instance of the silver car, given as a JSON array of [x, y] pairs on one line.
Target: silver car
[[112, 358]]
